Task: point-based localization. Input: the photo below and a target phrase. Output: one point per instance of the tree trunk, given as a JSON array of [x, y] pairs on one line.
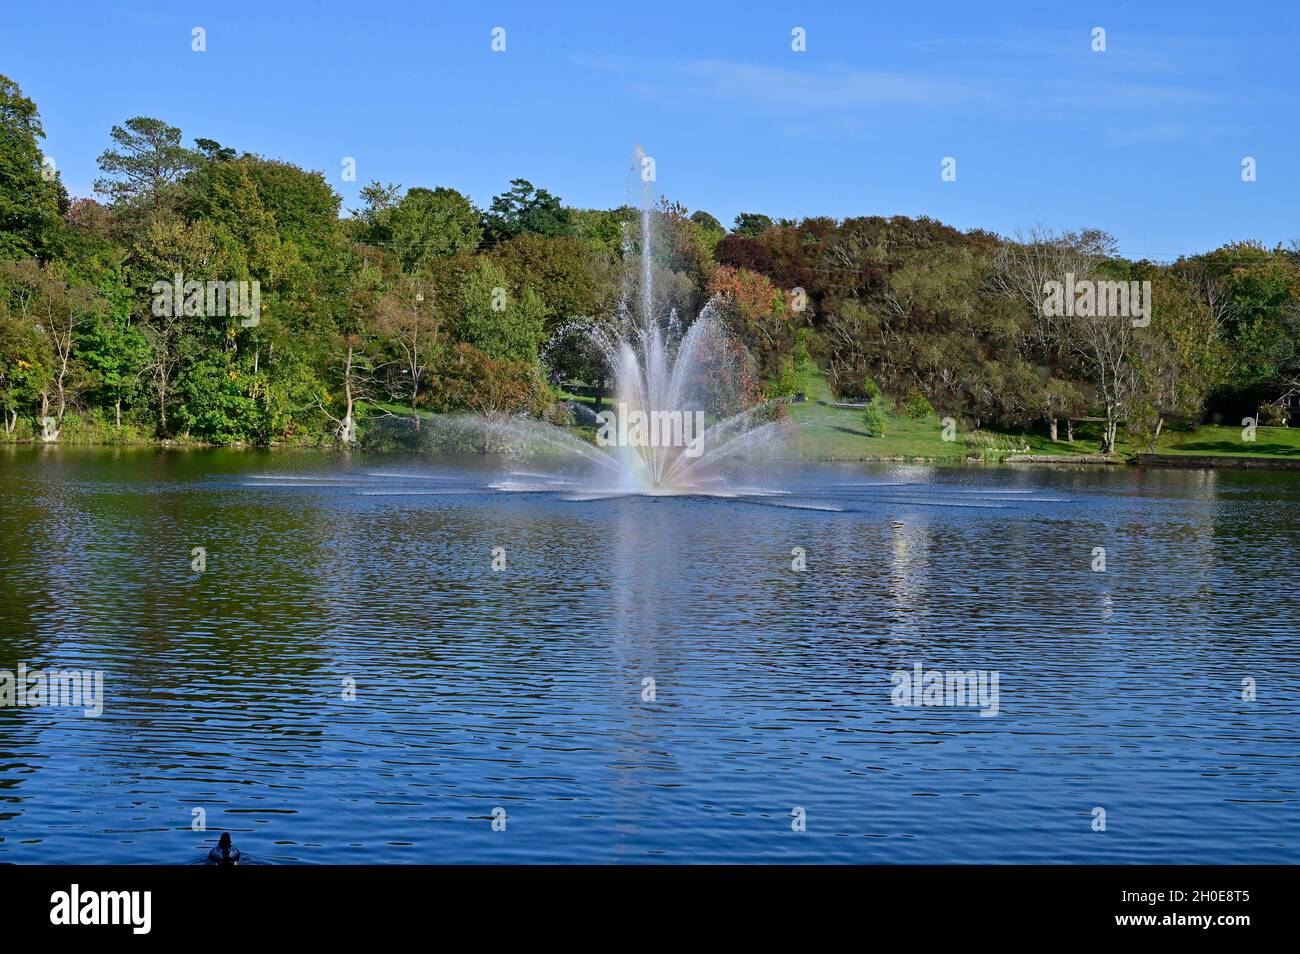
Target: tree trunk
[[348, 430], [49, 426], [63, 397], [1108, 435], [1155, 435], [117, 413], [162, 404], [1052, 428], [1069, 430]]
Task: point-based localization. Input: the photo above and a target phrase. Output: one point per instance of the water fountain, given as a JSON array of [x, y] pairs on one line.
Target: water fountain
[[667, 431]]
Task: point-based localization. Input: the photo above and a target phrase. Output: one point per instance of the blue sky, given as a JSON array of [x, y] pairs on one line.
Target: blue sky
[[1145, 139]]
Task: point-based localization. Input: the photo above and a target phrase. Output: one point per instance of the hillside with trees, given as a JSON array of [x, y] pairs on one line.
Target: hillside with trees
[[422, 301]]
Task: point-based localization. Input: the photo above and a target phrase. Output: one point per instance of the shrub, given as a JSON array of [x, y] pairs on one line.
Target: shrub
[[874, 417], [848, 387], [802, 355], [560, 414], [869, 390], [786, 383], [486, 385], [1270, 415], [918, 408]]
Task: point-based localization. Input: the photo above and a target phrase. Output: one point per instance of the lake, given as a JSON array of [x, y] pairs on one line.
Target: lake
[[382, 656]]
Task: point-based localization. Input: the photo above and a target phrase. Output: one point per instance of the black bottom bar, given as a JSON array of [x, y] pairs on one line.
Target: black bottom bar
[[1227, 903]]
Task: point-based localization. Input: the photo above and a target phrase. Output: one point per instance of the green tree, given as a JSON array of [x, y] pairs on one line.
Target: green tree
[[503, 325], [53, 305], [377, 199], [22, 375], [751, 224], [706, 221], [142, 176], [116, 353], [525, 208], [602, 230], [31, 199], [430, 223], [169, 246], [228, 198], [874, 418], [1179, 359], [213, 151], [560, 271]]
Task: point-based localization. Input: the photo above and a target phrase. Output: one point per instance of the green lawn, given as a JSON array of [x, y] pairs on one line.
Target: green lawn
[[835, 433], [1210, 439]]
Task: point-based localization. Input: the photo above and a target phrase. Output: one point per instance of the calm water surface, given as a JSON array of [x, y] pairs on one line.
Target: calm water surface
[[522, 689]]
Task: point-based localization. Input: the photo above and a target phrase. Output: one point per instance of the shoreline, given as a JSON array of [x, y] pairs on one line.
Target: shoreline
[[1223, 461], [1176, 461]]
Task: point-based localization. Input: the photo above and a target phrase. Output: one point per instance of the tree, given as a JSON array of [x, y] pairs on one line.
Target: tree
[[278, 225], [53, 310], [169, 246], [1260, 321], [22, 377], [350, 364], [378, 200], [115, 353], [505, 325], [1179, 358], [756, 312], [213, 151], [706, 221], [1106, 348], [524, 208], [143, 174], [751, 224], [410, 320], [228, 197], [427, 224], [31, 199], [1103, 345], [724, 382], [560, 271], [602, 230]]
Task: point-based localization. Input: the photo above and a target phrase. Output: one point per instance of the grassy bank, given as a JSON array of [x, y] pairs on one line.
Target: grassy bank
[[827, 432], [91, 429], [842, 433]]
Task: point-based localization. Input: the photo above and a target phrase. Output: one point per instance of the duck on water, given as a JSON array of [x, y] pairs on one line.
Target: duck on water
[[224, 853]]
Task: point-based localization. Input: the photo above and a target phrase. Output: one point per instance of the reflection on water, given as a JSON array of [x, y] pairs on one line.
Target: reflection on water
[[525, 689]]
